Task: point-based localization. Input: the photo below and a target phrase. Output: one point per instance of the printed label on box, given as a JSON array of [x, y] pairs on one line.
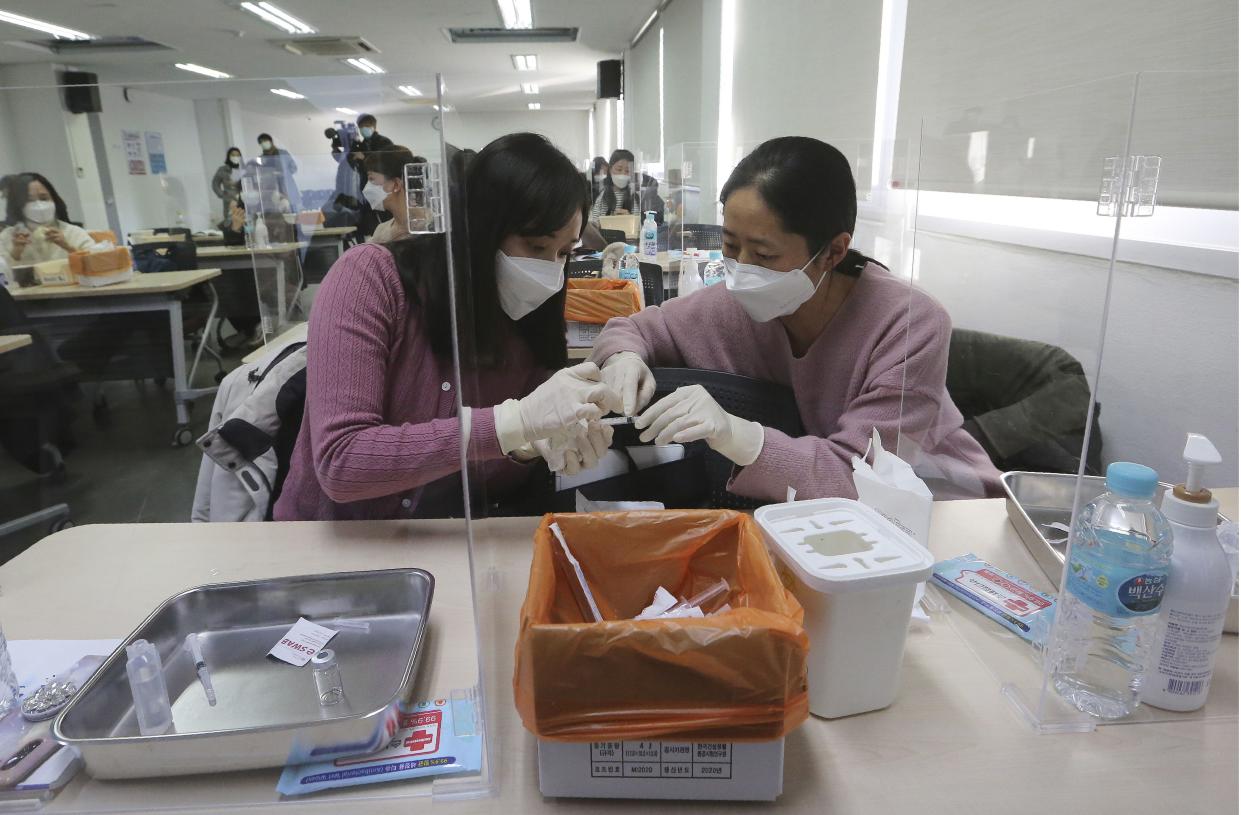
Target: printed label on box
[[655, 759]]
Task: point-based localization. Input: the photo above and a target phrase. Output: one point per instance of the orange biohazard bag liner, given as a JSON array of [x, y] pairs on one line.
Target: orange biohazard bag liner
[[739, 675], [598, 300]]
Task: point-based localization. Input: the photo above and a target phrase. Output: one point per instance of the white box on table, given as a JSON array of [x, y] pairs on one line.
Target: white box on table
[[582, 335], [703, 771]]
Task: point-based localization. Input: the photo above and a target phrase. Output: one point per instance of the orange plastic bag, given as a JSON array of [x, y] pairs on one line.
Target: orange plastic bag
[[736, 676], [598, 300]]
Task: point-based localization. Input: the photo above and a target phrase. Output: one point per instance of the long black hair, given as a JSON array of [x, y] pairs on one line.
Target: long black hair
[[807, 183], [18, 193], [519, 184]]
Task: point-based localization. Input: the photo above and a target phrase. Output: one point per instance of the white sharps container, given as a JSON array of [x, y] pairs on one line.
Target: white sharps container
[[855, 575]]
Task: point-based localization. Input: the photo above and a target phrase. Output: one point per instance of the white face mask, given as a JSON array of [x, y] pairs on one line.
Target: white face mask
[[601, 177], [235, 161], [266, 145], [766, 294], [620, 180], [375, 195], [526, 283], [39, 212]]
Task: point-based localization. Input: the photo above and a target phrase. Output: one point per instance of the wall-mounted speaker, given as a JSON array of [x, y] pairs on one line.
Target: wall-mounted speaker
[[610, 79], [81, 92]]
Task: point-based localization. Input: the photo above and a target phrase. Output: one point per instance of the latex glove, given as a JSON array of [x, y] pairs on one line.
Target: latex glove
[[628, 374], [558, 405], [689, 414], [570, 453]]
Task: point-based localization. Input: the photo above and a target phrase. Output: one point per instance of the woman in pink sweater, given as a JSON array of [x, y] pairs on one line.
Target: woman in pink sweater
[[801, 309], [381, 436]]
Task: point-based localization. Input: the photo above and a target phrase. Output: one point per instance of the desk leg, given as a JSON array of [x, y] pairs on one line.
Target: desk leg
[[207, 331], [281, 300], [180, 385]]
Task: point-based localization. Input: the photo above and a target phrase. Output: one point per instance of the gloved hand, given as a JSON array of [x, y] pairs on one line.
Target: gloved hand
[[689, 414], [628, 375], [570, 453], [558, 405]]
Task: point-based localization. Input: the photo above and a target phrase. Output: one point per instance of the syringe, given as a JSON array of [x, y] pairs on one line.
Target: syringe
[[200, 666]]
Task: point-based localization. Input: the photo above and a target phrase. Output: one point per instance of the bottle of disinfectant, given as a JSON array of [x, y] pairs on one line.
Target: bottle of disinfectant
[[1199, 587], [648, 241], [1118, 563]]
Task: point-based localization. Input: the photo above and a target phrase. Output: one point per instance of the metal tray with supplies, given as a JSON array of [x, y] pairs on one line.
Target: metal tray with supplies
[[1036, 500], [268, 712]]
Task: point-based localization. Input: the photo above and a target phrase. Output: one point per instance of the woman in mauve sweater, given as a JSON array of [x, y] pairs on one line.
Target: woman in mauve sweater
[[801, 309], [381, 436]]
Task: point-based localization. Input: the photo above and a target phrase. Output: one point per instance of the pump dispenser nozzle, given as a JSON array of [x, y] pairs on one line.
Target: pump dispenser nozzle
[[1199, 452]]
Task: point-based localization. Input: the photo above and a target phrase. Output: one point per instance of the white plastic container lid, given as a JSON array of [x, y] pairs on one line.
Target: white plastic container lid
[[837, 545]]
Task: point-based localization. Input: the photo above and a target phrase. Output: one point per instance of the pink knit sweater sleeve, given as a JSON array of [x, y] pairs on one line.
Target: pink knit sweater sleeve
[[901, 395], [359, 315]]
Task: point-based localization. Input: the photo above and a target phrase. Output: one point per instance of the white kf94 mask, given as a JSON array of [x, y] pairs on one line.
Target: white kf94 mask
[[524, 284], [766, 294]]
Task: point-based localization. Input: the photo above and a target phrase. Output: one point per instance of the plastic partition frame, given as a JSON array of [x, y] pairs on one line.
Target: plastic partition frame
[[1026, 306]]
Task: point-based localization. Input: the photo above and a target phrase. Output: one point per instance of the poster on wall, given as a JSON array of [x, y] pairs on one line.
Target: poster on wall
[[155, 152], [132, 140]]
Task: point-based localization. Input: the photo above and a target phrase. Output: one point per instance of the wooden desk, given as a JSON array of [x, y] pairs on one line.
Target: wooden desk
[[158, 291], [950, 734], [11, 342], [215, 252]]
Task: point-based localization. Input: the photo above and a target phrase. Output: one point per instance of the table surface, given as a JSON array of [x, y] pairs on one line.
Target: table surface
[[294, 333], [242, 251], [328, 231], [948, 737], [152, 283], [11, 342]]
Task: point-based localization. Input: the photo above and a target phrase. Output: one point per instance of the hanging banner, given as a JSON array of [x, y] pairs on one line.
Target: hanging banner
[[133, 152], [155, 153]]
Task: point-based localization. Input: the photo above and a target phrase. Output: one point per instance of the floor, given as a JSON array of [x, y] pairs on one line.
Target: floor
[[124, 469]]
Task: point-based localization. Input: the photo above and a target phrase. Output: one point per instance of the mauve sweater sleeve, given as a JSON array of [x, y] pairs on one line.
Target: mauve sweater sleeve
[[651, 334], [359, 314], [822, 467]]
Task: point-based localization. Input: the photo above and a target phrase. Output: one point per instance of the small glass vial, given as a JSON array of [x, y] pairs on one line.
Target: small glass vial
[[327, 677]]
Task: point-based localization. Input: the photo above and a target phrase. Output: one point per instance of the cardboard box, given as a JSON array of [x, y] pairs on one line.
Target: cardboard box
[[582, 335], [629, 224], [701, 771], [54, 272]]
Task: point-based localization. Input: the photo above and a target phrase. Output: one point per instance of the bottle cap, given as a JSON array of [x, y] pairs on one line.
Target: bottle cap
[[1131, 480], [716, 254]]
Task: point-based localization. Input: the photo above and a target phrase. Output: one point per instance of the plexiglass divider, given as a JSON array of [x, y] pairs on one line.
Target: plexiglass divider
[[1022, 208], [148, 179]]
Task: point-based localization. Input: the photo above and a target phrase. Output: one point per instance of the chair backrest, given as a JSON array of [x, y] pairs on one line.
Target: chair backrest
[[703, 236], [579, 269], [612, 236], [652, 283]]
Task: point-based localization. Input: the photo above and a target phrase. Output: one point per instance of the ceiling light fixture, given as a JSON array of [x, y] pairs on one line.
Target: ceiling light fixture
[[347, 111], [529, 87], [57, 31], [534, 105], [516, 13], [409, 90], [287, 94], [281, 19], [645, 26], [364, 65], [526, 62], [199, 69]]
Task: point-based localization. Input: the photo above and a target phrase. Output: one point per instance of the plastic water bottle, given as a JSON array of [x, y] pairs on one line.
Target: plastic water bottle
[[630, 271], [261, 238], [648, 242], [713, 272], [8, 679], [1119, 558]]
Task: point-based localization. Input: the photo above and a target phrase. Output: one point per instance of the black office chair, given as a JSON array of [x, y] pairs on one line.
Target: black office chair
[[702, 236], [652, 283], [612, 236], [583, 269]]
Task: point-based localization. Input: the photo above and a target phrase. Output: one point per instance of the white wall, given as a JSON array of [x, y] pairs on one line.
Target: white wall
[[10, 158], [40, 140]]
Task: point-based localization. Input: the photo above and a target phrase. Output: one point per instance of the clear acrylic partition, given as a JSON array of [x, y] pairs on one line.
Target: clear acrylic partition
[[145, 164], [1021, 219]]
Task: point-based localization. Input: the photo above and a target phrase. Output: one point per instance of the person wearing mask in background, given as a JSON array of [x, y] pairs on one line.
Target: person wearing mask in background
[[226, 183], [381, 437], [274, 169], [618, 196], [385, 192], [372, 142], [233, 227], [40, 227], [859, 348], [597, 175]]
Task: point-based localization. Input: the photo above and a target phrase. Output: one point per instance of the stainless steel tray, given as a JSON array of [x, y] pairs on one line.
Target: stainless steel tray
[[1035, 500], [268, 712]]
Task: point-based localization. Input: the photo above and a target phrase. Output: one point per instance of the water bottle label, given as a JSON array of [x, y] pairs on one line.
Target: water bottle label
[[1116, 591]]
